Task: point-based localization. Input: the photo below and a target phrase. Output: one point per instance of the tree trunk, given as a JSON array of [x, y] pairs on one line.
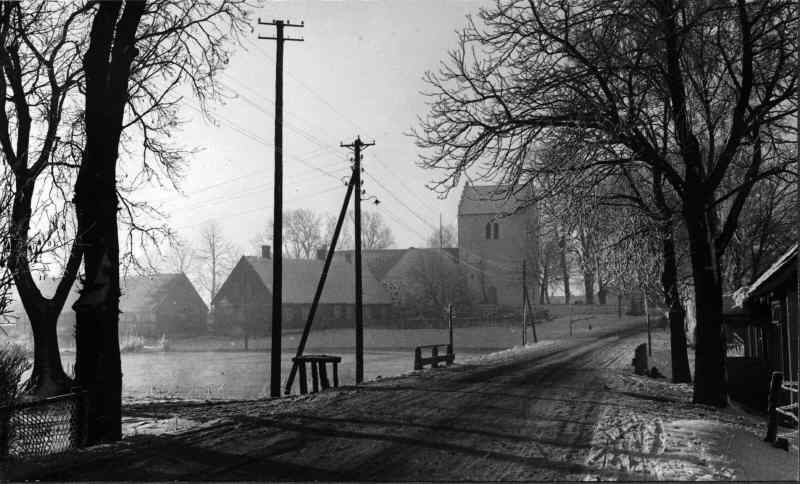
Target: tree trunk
[[602, 291], [588, 286], [709, 379], [565, 269], [545, 283], [97, 362], [48, 377], [669, 280]]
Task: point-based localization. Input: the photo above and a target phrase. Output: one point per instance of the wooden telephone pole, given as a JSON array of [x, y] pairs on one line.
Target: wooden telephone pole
[[277, 228], [357, 146]]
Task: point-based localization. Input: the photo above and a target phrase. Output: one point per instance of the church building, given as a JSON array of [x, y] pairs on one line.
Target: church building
[[497, 231]]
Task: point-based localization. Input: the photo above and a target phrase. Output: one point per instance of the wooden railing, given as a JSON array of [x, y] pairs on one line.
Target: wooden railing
[[447, 357], [774, 410], [319, 372]]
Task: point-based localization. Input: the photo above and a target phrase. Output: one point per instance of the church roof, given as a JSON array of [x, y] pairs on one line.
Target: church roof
[[491, 199]]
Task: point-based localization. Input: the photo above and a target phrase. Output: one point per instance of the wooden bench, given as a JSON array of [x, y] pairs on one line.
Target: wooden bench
[[447, 357], [319, 371]]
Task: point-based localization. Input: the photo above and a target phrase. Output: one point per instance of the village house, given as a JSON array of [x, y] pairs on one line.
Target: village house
[[243, 303], [497, 231], [150, 306]]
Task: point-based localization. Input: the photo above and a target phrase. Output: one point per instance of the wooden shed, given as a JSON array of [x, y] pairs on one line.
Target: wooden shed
[[764, 316]]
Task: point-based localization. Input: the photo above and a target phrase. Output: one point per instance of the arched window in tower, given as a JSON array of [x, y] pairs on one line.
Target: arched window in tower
[[496, 231], [488, 230]]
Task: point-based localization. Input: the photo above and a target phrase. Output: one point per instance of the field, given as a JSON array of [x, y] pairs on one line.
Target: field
[[218, 368]]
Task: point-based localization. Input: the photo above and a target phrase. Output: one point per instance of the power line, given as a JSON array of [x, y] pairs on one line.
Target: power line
[[357, 126], [402, 202], [259, 208], [267, 99], [239, 194], [258, 139], [171, 199]]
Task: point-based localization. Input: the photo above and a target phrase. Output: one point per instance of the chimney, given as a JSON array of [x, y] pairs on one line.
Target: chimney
[[266, 252], [322, 252]]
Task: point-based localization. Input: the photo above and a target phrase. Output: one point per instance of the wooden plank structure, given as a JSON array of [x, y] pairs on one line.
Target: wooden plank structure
[[319, 372], [447, 357]]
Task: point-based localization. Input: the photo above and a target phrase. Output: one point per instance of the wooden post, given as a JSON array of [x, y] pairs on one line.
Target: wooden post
[[335, 374], [435, 354], [450, 324], [301, 365], [772, 406], [570, 321], [314, 378], [323, 375], [524, 306], [417, 358], [533, 319]]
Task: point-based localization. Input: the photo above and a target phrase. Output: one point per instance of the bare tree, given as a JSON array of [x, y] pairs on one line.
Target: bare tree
[[180, 256], [138, 54], [40, 58], [444, 237], [302, 233], [375, 234], [435, 281], [218, 255], [712, 79]]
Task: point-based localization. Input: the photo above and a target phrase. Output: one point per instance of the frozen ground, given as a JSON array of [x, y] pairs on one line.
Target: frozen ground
[[559, 410]]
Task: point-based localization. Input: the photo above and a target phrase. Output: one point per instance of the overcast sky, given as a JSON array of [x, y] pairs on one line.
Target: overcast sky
[[358, 71]]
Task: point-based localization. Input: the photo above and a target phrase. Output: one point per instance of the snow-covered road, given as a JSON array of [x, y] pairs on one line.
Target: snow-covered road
[[564, 410]]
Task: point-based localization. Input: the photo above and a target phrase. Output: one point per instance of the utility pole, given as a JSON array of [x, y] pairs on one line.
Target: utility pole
[[277, 228], [321, 285], [357, 146]]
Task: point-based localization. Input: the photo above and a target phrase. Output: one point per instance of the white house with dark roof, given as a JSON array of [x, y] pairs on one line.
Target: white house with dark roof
[[497, 230], [244, 301]]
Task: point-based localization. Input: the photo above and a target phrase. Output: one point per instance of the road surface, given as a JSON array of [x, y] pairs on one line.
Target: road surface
[[528, 415]]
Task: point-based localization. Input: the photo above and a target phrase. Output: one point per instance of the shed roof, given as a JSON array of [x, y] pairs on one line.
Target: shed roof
[[300, 278], [491, 199], [774, 274]]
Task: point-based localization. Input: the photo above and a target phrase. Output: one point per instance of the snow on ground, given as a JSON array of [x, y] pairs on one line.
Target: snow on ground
[[652, 428], [645, 428]]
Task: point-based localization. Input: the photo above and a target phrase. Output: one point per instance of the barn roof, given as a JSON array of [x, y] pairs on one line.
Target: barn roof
[[144, 293], [774, 274], [381, 261], [490, 199], [139, 293], [300, 278]]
